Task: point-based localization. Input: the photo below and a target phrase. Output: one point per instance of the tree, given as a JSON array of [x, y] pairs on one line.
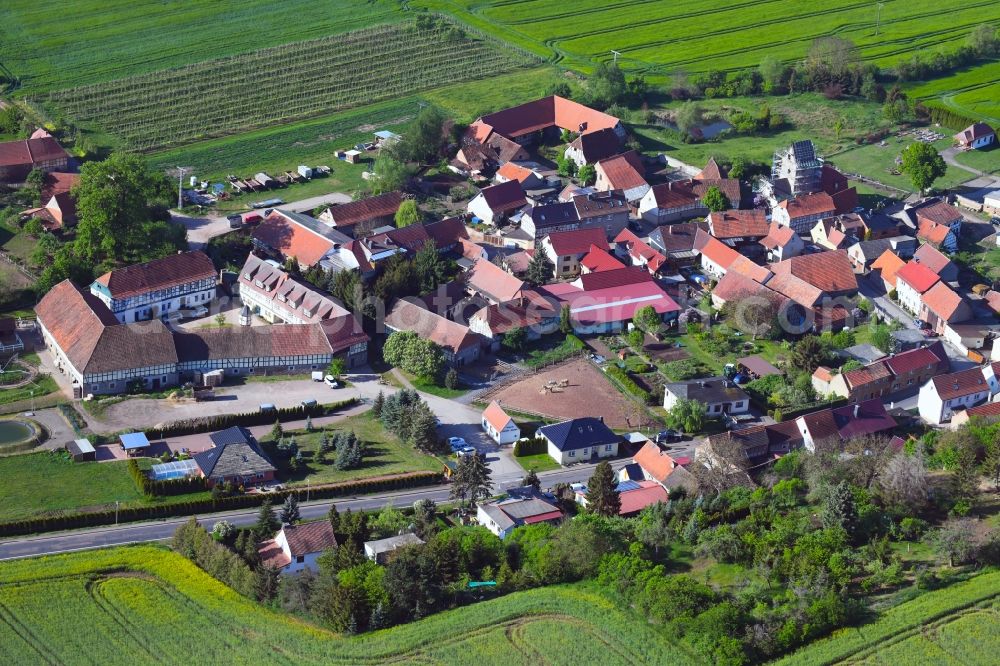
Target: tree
[[602, 494], [515, 339], [425, 518], [756, 316], [923, 164], [808, 354], [539, 268], [471, 480], [983, 41], [839, 509], [113, 203], [689, 116], [565, 167], [431, 269], [377, 404], [654, 527], [346, 286], [606, 86], [739, 168], [648, 319], [290, 511], [833, 54], [416, 355], [956, 540], [267, 524], [451, 379], [715, 200], [773, 73], [407, 214], [223, 531], [903, 482], [423, 139], [350, 451], [686, 415], [587, 174], [389, 174], [636, 338], [565, 323], [34, 227], [531, 479]]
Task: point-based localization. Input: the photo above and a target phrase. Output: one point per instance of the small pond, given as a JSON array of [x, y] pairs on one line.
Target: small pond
[[15, 432]]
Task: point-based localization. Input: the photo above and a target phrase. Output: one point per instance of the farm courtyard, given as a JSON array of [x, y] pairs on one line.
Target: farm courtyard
[[587, 387]]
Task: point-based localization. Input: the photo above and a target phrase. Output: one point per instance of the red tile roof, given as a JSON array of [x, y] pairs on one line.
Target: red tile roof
[[514, 171], [271, 555], [496, 416], [622, 277], [409, 316], [169, 271], [845, 200], [597, 260], [541, 113], [363, 210], [777, 236], [870, 374], [598, 145], [960, 384], [942, 301], [823, 373], [504, 317], [493, 281], [734, 286], [795, 288], [641, 251], [919, 277], [806, 205], [747, 267], [292, 240], [888, 264], [987, 411], [914, 359], [711, 171], [938, 212], [738, 224], [519, 261], [309, 537], [635, 500], [28, 152], [973, 132], [252, 342], [830, 272], [864, 418], [447, 232], [993, 300], [504, 197], [623, 172], [578, 241], [728, 186], [931, 257], [715, 250], [612, 304], [932, 232], [656, 463], [675, 194]]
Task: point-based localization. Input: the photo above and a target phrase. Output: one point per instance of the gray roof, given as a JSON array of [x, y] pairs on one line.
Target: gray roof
[[709, 391], [865, 353], [392, 543], [578, 434], [235, 456]]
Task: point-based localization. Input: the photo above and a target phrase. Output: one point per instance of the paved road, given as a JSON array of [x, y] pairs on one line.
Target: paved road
[[949, 157], [163, 529], [202, 229]]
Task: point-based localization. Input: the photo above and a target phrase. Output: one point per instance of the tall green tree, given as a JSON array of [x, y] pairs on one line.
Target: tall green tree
[[539, 268], [602, 494], [606, 86], [686, 415], [389, 173], [267, 523], [715, 200], [647, 319], [565, 322], [430, 268], [840, 510], [587, 174], [923, 164], [423, 139], [290, 511], [471, 481], [407, 214], [113, 202], [808, 354]]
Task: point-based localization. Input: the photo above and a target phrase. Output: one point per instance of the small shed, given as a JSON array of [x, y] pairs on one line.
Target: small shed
[[305, 171], [133, 442], [81, 450], [379, 551], [757, 367], [352, 156], [386, 138]]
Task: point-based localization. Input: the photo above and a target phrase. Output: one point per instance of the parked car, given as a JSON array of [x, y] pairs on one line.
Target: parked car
[[995, 221], [309, 402], [929, 332], [199, 311], [331, 381], [457, 443], [668, 436], [921, 324], [317, 375], [466, 451], [597, 358], [235, 221]]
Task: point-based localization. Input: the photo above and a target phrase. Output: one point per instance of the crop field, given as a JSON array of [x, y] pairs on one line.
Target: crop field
[[139, 603], [275, 85], [973, 92], [697, 35], [956, 625], [53, 44]]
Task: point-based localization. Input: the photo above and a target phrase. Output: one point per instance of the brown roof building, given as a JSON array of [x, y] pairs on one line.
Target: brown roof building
[[21, 157], [459, 344]]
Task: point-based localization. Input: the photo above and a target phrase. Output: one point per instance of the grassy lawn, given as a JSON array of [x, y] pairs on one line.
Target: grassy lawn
[[548, 350], [985, 160], [384, 454], [43, 385], [14, 242], [540, 462], [38, 484], [876, 162], [428, 386]]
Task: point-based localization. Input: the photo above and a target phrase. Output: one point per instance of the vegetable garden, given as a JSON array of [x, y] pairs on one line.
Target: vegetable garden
[[275, 85], [138, 602]]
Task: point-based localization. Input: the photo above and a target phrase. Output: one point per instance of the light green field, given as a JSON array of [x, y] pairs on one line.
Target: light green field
[[973, 92], [957, 625], [876, 162], [53, 44], [698, 35], [146, 605]]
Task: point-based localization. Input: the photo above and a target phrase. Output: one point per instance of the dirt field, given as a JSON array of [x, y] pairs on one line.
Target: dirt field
[[589, 394]]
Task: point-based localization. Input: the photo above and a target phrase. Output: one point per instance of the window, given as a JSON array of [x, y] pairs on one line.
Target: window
[[607, 447], [738, 405], [572, 454], [111, 385], [300, 559], [291, 367]]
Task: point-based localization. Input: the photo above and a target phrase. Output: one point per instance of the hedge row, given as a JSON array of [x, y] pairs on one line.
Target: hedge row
[[247, 419], [621, 378], [530, 447], [949, 118], [210, 505], [789, 414]]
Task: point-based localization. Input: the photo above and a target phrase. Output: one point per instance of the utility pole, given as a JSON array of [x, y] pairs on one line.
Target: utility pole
[[616, 56], [878, 16], [116, 513], [181, 172]]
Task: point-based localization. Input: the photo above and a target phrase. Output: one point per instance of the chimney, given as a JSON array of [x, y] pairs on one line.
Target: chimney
[[601, 419]]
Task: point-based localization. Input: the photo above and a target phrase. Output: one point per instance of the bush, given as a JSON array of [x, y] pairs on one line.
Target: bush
[[530, 447], [247, 419], [621, 378]]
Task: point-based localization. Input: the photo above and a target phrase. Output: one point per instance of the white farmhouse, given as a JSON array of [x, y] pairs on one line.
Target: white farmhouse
[[944, 395], [297, 547], [580, 440], [499, 426]]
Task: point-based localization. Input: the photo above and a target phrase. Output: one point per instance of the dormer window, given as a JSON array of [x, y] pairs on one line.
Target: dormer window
[[258, 283], [281, 297], [246, 276]]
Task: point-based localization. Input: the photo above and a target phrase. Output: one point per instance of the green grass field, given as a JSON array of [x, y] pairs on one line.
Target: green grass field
[[973, 92], [956, 625], [539, 462], [53, 45], [39, 484], [145, 605], [876, 162], [659, 38], [384, 454]]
